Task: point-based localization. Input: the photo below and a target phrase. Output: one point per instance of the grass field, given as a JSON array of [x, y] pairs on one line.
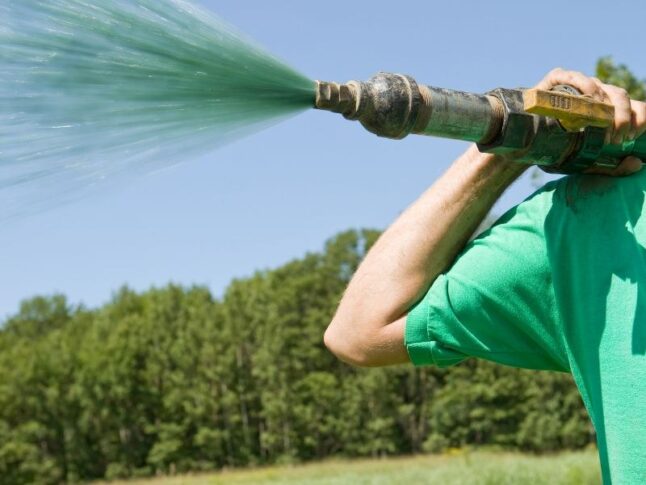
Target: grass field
[[459, 468]]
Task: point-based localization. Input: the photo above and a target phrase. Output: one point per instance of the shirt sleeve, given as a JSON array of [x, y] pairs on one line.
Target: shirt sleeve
[[496, 302]]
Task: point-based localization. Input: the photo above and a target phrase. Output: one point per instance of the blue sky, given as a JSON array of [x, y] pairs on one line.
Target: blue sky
[[266, 199]]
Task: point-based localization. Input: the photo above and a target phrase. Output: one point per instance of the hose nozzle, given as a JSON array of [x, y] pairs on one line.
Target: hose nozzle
[[387, 104], [394, 106], [338, 98]]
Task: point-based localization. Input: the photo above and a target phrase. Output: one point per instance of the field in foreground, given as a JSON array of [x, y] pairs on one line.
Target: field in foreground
[[479, 468]]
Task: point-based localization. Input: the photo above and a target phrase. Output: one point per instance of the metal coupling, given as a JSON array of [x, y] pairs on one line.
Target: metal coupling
[[395, 105], [387, 105]]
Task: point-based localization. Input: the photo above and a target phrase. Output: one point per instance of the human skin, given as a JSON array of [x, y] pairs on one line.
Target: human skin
[[368, 327]]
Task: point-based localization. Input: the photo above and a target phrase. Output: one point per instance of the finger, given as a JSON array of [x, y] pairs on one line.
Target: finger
[[575, 79], [628, 166], [638, 115], [601, 85], [623, 112], [638, 119]]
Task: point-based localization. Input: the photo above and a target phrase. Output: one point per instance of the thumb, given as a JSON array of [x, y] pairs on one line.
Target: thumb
[[628, 166]]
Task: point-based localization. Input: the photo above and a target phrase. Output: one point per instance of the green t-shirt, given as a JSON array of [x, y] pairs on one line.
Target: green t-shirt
[[558, 283]]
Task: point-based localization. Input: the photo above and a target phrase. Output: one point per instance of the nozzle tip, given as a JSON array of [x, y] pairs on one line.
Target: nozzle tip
[[327, 95], [335, 97]]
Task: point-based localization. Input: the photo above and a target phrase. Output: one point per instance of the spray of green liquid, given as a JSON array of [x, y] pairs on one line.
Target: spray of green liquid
[[93, 91]]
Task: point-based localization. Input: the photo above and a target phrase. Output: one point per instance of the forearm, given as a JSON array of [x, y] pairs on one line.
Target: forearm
[[421, 244]]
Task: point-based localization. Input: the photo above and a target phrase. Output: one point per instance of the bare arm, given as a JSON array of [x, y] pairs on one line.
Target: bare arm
[[369, 324], [368, 328]]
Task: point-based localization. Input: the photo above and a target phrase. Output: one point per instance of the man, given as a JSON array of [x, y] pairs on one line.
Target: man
[[559, 283]]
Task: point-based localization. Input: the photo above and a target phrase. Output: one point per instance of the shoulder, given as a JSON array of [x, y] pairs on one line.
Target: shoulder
[[597, 200], [581, 196]]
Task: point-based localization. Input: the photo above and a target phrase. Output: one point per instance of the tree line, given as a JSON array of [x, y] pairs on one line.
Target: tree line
[[174, 380]]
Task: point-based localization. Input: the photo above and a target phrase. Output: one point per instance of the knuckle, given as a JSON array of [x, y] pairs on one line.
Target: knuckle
[[579, 77], [621, 92], [589, 86], [569, 76], [640, 120], [640, 111], [622, 124], [555, 75], [601, 88], [582, 82], [623, 116], [614, 91]]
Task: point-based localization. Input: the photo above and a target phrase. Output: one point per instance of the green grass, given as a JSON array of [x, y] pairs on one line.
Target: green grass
[[478, 468]]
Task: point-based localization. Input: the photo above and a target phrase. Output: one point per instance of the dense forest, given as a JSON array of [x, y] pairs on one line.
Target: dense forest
[[173, 380]]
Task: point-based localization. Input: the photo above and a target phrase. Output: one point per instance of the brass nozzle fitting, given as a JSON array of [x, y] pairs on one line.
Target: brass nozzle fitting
[[338, 98], [387, 104]]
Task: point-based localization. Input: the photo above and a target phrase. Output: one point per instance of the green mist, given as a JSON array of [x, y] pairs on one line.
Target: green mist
[[96, 91]]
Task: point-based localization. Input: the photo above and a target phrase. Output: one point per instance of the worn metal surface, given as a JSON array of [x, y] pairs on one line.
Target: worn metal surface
[[460, 115], [533, 139], [394, 106], [335, 97], [387, 105]]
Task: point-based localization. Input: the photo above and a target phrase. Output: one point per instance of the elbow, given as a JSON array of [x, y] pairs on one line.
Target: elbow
[[347, 349]]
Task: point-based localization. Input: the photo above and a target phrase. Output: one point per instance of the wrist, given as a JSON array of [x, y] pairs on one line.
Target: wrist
[[500, 167]]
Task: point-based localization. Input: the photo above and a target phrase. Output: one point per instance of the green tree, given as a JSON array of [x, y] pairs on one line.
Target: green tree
[[172, 380], [620, 75]]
